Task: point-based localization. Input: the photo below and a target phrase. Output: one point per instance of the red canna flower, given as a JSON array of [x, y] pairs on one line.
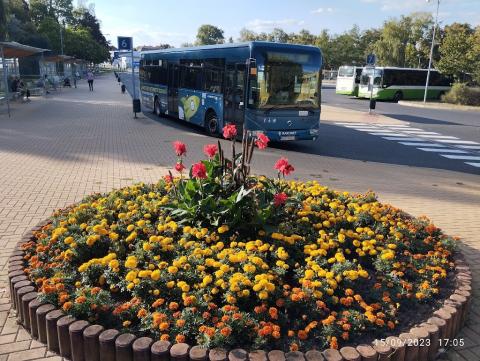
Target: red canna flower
[[179, 167], [262, 141], [199, 171], [283, 166], [180, 148], [279, 199], [168, 178], [210, 150], [229, 131]]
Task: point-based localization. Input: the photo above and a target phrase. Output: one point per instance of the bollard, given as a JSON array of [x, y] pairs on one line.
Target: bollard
[[75, 331], [276, 355], [398, 348], [350, 354], [217, 354], [367, 353], [383, 349], [107, 344], [26, 299], [237, 354], [91, 342], [41, 315], [32, 312], [198, 353], [20, 293], [314, 355], [14, 280], [411, 346], [257, 355], [179, 352], [52, 334], [123, 347], [332, 355], [433, 331], [161, 351], [141, 349], [423, 342], [64, 336]]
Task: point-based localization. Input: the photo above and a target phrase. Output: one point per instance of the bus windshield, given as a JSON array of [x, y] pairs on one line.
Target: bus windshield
[[368, 73], [346, 71], [288, 80]]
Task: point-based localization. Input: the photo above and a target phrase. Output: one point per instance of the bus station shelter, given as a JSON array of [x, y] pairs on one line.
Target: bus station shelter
[[12, 50]]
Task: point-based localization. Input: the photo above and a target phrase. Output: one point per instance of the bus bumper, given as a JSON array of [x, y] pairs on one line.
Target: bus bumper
[[285, 136]]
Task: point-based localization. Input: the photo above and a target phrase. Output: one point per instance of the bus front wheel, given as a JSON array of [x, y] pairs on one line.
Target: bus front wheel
[[397, 97], [156, 107], [211, 123]]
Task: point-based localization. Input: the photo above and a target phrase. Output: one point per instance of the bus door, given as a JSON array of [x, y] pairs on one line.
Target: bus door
[[173, 81], [234, 96]]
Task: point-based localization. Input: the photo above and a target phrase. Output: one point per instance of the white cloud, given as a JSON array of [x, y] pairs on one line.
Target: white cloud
[[322, 10], [268, 25]]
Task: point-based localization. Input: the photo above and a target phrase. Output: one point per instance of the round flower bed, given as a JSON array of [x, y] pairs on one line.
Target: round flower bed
[[222, 258]]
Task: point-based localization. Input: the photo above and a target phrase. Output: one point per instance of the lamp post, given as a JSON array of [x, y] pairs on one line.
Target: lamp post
[[431, 52]]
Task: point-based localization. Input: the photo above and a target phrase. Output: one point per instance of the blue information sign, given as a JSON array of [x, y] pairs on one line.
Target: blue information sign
[[371, 59], [124, 43]]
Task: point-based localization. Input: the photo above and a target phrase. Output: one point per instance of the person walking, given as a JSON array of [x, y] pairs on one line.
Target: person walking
[[90, 80]]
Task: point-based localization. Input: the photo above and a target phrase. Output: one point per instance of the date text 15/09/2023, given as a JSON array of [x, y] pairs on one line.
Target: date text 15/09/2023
[[425, 342]]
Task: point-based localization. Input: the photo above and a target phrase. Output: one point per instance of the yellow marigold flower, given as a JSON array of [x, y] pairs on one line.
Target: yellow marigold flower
[[155, 275], [68, 240], [113, 236], [131, 262], [130, 227]]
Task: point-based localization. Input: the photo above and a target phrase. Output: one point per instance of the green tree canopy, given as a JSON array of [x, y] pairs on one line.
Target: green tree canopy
[[457, 50], [209, 34]]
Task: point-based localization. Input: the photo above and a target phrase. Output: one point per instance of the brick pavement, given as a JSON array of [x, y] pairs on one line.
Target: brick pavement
[[55, 150]]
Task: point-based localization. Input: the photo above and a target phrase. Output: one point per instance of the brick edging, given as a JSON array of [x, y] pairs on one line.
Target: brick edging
[[81, 341]]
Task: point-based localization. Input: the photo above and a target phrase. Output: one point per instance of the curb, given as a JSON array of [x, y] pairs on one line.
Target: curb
[[440, 106], [82, 341]]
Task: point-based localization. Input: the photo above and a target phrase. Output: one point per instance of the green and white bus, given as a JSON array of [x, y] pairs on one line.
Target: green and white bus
[[390, 83], [348, 80]]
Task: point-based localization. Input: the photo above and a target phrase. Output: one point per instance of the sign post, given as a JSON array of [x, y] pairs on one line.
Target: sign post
[[126, 44], [371, 60]]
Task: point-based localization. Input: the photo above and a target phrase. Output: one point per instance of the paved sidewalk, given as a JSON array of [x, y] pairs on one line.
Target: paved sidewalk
[[439, 105], [56, 150]]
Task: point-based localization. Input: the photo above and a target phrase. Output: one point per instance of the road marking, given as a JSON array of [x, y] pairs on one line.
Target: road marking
[[415, 144], [395, 125], [443, 150], [404, 129], [456, 141], [473, 164], [347, 124], [463, 157], [384, 133], [438, 136], [474, 147], [403, 139], [419, 132]]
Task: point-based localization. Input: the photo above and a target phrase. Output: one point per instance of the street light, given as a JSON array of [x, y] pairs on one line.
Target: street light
[[431, 52]]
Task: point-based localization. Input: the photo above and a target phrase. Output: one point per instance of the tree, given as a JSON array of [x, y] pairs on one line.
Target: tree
[[303, 37], [457, 50], [279, 36], [3, 20], [83, 18], [247, 35], [57, 9], [476, 54], [209, 34]]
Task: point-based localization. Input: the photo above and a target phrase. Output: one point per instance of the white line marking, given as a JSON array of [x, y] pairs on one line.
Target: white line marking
[[385, 133], [443, 150], [437, 136], [404, 128], [456, 141], [419, 132], [340, 123], [422, 144], [394, 125], [469, 146], [473, 164], [465, 157], [403, 139], [367, 129]]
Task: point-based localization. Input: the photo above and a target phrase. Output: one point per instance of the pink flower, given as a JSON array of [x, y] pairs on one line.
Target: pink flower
[[179, 167], [180, 148], [199, 170], [229, 131], [262, 141], [279, 199], [283, 166], [168, 178], [210, 150]]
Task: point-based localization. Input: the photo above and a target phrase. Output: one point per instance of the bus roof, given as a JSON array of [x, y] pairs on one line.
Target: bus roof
[[249, 44], [399, 68]]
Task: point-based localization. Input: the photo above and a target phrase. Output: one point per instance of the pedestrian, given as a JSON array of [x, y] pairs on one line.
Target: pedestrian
[[90, 80]]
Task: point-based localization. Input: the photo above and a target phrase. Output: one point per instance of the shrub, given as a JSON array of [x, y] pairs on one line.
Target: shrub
[[462, 94], [224, 258]]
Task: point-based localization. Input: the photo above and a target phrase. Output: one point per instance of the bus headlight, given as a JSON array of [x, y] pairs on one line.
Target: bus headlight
[[314, 131]]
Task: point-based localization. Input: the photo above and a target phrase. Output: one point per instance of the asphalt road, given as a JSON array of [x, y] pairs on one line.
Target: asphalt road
[[348, 143]]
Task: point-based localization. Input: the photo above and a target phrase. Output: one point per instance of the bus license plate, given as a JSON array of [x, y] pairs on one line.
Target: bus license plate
[[288, 137]]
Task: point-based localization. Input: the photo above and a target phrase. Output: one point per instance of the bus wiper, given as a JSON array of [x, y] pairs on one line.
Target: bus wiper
[[268, 110]]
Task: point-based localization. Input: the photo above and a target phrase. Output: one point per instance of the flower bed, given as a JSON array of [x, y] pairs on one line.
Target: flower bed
[[225, 259]]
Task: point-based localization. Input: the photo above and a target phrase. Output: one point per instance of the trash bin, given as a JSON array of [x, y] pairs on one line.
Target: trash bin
[[123, 88], [136, 106], [373, 103]]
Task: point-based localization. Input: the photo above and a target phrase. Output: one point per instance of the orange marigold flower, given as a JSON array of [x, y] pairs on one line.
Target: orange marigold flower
[[237, 316], [180, 338], [291, 333], [293, 347], [276, 335], [173, 306], [334, 343], [81, 299], [180, 322], [226, 331], [67, 305], [165, 337], [163, 326], [345, 335], [302, 335], [349, 292], [272, 311], [141, 313]]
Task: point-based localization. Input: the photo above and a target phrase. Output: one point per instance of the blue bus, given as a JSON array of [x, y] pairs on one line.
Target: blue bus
[[264, 87]]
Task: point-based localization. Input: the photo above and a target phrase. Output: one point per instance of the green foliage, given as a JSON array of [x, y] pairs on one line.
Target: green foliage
[[209, 35], [457, 50], [3, 20], [462, 94]]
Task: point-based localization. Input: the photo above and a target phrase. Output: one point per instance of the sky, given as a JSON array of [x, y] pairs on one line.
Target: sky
[[153, 22]]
